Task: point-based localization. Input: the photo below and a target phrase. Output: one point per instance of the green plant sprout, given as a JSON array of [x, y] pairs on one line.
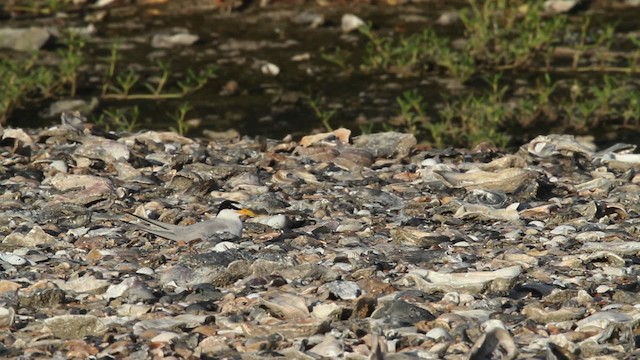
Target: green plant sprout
[[412, 111], [322, 114], [121, 87], [180, 118], [338, 57], [25, 81], [119, 119]]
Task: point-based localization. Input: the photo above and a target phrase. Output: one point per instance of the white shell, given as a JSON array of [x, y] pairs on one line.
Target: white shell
[[270, 69], [559, 6], [12, 259], [351, 22]]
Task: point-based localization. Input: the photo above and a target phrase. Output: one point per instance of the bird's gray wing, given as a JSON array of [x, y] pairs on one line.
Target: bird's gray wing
[[208, 228], [167, 231], [167, 234], [201, 230], [157, 223]]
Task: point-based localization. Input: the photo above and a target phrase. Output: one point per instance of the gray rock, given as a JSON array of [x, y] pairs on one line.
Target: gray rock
[[495, 344], [438, 333], [351, 22], [448, 18], [172, 40], [330, 347], [402, 313], [75, 326], [387, 144], [102, 149], [345, 290], [35, 237], [7, 316], [86, 283], [133, 289], [41, 298], [169, 322], [12, 259], [473, 282], [30, 39]]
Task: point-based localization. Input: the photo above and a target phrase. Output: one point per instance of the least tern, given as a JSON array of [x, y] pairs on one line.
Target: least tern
[[227, 220]]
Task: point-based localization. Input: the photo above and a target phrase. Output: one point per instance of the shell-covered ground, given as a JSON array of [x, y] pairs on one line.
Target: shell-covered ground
[[371, 247]]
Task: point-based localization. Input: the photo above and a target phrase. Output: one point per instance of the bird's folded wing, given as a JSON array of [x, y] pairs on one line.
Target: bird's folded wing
[[167, 234], [157, 223], [201, 230], [155, 227], [215, 226]]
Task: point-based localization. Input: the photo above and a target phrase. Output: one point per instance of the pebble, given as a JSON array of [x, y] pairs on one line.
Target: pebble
[[351, 22], [75, 326], [12, 259], [438, 333], [270, 69], [173, 40], [24, 39], [344, 289]]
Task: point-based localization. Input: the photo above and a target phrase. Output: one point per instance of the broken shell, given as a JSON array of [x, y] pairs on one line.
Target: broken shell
[[270, 69]]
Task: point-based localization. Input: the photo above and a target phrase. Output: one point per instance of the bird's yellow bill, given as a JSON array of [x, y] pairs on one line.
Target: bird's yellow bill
[[246, 212]]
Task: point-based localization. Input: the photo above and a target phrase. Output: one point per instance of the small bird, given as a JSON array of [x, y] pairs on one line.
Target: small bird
[[227, 220]]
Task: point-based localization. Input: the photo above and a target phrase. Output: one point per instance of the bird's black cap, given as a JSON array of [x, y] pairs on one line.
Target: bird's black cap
[[228, 204]]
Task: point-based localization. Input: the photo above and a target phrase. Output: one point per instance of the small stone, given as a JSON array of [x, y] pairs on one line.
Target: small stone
[[536, 224], [37, 297], [602, 319], [213, 345], [330, 347], [345, 290], [448, 18], [75, 326], [12, 259], [7, 286], [341, 134], [351, 22], [364, 307], [560, 6], [134, 310], [287, 306], [563, 230], [17, 134], [29, 40], [387, 145], [133, 288], [145, 271], [84, 284], [543, 316], [438, 333], [270, 69], [326, 311], [165, 337], [94, 255], [167, 41], [276, 221], [401, 312], [498, 281], [7, 317], [108, 151], [35, 237]]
